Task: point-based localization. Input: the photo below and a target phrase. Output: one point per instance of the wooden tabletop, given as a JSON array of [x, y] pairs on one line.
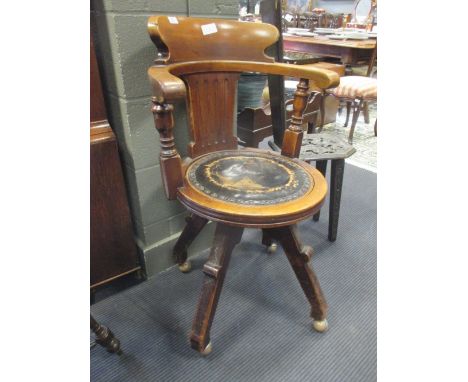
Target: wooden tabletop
[[323, 40]]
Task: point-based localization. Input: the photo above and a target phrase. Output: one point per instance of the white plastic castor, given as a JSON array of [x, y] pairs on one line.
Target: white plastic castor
[[185, 266], [272, 248], [207, 349], [320, 326]]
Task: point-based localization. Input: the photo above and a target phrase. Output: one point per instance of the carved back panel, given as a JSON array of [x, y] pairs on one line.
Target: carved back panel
[[210, 104]]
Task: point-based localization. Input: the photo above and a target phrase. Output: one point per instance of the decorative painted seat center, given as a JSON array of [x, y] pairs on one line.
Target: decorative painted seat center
[[249, 177]]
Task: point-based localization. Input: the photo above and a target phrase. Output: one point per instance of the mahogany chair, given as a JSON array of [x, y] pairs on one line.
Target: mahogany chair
[[200, 60]]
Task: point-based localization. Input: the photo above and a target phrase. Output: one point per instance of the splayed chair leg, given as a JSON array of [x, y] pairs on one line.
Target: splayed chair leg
[[299, 258], [268, 242], [194, 226], [226, 238]]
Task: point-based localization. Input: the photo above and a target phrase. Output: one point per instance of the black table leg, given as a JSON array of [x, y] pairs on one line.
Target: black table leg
[[336, 184], [320, 165]]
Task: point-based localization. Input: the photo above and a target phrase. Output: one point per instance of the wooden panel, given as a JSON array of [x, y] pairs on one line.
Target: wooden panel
[[97, 109], [113, 250], [229, 40], [211, 99]]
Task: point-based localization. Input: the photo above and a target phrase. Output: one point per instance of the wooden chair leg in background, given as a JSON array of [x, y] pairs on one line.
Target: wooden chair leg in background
[[336, 185], [226, 238], [365, 110], [320, 165], [299, 258], [322, 111], [105, 337], [194, 226], [375, 127], [357, 109], [268, 242], [348, 112]]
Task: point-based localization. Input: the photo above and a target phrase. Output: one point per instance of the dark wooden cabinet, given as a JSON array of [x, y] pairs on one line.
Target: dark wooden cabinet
[[113, 248]]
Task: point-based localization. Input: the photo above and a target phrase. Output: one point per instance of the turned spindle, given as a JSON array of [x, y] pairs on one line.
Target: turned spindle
[[292, 139], [105, 337], [169, 158]]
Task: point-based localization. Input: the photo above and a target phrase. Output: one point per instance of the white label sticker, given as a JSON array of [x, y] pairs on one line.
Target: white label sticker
[[209, 29], [288, 17], [173, 20]]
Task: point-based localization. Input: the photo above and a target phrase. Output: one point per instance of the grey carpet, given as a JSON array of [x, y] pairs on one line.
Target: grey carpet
[[262, 330]]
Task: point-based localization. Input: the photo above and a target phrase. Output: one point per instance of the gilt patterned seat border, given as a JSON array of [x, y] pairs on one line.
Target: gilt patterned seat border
[[297, 184]]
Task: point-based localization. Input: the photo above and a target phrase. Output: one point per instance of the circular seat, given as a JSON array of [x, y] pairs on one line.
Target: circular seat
[[253, 188]]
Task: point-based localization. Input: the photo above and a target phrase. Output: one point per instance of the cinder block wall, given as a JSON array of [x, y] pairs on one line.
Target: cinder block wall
[[125, 52]]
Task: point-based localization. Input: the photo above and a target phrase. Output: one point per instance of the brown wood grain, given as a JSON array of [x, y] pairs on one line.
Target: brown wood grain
[[112, 246], [186, 41]]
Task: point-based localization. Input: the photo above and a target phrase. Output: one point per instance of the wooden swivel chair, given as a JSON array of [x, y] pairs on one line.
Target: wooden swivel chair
[[200, 60]]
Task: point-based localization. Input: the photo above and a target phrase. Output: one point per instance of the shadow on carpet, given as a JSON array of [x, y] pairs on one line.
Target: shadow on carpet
[[262, 330]]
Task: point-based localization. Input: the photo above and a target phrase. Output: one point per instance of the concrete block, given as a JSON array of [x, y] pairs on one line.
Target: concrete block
[[214, 7], [143, 136], [160, 230], [146, 192], [119, 122], [137, 136], [136, 54], [159, 256], [107, 51], [161, 6]]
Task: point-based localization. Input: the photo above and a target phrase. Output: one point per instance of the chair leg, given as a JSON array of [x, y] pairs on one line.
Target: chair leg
[[336, 185], [320, 165], [105, 337], [267, 240], [322, 112], [375, 127], [356, 112], [226, 238], [311, 129], [298, 257], [348, 112], [365, 111], [194, 226]]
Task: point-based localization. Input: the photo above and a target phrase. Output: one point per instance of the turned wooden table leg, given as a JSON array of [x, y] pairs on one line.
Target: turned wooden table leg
[[320, 165], [299, 257], [336, 185], [105, 337], [226, 238], [194, 226]]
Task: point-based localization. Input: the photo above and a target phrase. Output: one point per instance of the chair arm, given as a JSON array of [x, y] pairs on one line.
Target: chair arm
[[323, 78], [166, 87]]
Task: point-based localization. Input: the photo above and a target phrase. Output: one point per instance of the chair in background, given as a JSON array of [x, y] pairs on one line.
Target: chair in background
[[200, 60], [356, 91]]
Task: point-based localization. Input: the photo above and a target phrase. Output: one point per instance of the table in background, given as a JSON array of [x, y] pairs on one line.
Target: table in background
[[348, 51]]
